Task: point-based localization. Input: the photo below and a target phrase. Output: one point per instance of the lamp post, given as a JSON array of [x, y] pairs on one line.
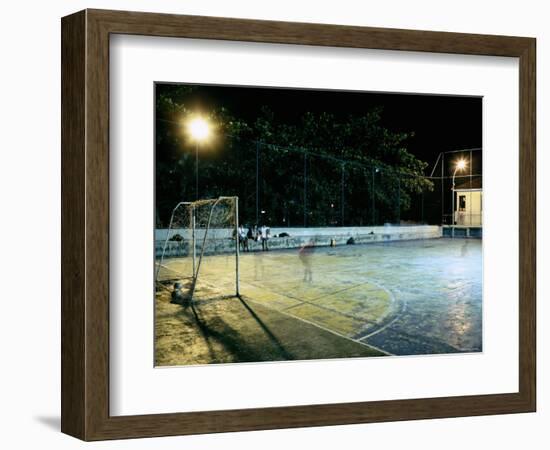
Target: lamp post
[[459, 165], [199, 130]]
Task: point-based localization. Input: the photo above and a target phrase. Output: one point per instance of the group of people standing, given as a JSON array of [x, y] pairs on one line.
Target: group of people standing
[[254, 233]]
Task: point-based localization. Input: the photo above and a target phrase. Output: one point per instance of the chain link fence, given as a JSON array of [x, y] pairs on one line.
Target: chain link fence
[[291, 186]]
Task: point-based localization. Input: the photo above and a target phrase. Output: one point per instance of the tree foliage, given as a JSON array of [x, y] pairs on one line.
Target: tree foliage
[[319, 171]]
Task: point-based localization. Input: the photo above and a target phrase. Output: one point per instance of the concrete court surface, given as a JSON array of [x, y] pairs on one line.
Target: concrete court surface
[[395, 298]]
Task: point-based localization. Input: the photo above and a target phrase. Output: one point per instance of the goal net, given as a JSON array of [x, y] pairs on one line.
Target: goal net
[[197, 257]]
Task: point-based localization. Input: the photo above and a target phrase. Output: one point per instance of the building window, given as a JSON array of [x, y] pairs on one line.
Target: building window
[[462, 203]]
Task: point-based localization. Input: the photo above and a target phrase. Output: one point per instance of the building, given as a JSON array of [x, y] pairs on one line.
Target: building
[[468, 204]]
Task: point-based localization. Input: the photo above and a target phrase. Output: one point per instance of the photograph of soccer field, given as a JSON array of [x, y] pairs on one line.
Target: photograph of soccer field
[[297, 224]]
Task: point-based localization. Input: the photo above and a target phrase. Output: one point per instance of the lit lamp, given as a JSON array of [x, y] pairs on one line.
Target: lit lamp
[[199, 130], [459, 165]]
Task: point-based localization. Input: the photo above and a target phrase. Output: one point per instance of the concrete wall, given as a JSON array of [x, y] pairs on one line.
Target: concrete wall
[[463, 232], [298, 237]]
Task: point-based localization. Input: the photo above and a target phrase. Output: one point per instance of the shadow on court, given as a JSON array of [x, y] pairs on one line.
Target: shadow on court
[[235, 329], [217, 332]]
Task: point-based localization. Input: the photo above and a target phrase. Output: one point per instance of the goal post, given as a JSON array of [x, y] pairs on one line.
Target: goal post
[[198, 254]]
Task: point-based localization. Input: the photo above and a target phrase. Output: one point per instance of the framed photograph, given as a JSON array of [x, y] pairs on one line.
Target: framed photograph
[[273, 225]]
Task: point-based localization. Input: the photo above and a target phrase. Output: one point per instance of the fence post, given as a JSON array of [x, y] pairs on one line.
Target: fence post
[[257, 179], [442, 189], [373, 214], [399, 199], [422, 206], [343, 192], [305, 189], [237, 239]]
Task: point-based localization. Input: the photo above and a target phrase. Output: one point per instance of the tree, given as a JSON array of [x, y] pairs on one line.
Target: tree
[[306, 168], [346, 162]]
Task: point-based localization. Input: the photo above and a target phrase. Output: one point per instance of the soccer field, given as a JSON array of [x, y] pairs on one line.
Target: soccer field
[[395, 298]]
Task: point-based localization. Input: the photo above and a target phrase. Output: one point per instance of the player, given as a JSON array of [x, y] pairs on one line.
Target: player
[[305, 254]]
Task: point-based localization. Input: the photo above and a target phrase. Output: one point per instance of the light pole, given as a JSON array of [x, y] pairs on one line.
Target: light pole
[[459, 165], [199, 130]]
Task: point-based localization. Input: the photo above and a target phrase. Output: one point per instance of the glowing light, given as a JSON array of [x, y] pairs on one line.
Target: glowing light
[[199, 129], [461, 164]]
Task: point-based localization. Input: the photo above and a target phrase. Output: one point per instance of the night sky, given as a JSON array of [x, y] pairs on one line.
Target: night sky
[[441, 123]]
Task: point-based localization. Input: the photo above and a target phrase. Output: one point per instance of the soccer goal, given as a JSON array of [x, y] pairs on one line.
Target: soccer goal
[[198, 255]]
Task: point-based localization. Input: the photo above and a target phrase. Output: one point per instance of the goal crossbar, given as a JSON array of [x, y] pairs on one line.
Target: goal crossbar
[[214, 218]]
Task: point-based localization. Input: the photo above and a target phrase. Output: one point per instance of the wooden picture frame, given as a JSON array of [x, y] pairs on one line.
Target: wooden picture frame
[[85, 224]]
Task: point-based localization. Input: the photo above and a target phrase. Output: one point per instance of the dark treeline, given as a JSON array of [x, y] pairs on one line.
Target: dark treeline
[[319, 170]]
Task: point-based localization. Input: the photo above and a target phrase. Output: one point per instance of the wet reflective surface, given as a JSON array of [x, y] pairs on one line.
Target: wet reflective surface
[[436, 287], [404, 298]]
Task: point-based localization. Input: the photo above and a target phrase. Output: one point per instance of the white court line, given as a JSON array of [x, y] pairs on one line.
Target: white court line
[[322, 327]]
